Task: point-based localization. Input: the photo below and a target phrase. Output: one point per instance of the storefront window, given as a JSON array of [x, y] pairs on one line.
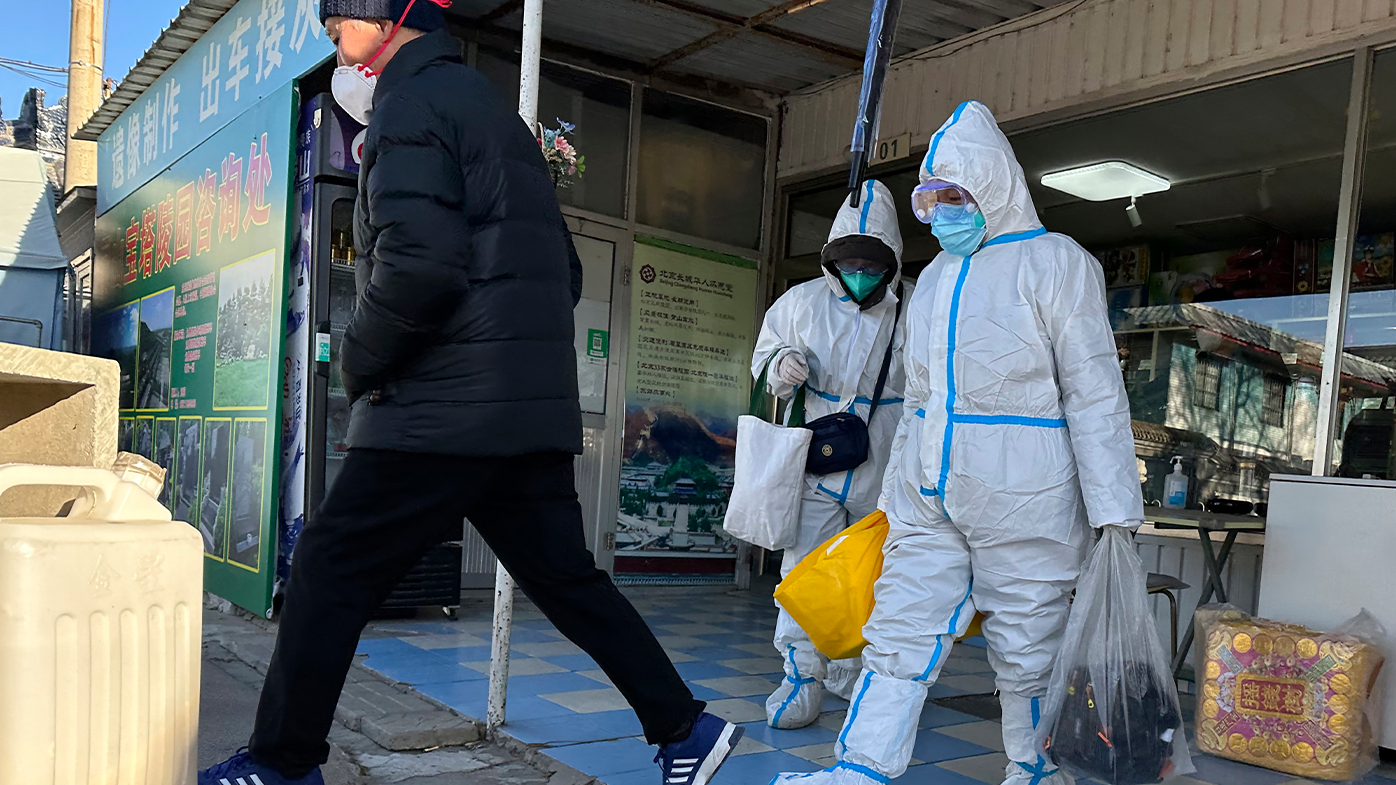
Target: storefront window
[[702, 170], [1219, 294], [1367, 419], [599, 107]]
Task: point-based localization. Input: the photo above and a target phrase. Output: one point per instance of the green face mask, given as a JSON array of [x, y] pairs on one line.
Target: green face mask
[[860, 284]]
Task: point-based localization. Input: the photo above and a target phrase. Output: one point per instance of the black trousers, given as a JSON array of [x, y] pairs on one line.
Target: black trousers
[[385, 510]]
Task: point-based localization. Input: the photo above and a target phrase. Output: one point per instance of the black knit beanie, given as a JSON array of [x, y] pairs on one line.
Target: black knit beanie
[[425, 15]]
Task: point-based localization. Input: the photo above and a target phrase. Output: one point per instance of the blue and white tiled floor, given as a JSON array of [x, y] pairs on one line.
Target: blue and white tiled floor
[[720, 641]]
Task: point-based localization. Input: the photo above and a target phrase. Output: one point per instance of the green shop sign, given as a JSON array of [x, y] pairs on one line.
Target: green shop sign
[[189, 300]]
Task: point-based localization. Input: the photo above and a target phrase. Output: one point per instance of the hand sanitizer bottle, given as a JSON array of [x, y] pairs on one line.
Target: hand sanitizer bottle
[[1175, 486]]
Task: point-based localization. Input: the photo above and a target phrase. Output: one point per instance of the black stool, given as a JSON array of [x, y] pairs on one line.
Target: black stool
[[1158, 583]]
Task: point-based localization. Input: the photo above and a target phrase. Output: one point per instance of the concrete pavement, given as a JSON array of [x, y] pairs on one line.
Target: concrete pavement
[[431, 745]]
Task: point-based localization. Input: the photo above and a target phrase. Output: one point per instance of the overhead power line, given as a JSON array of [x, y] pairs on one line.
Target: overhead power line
[[34, 77], [32, 65]]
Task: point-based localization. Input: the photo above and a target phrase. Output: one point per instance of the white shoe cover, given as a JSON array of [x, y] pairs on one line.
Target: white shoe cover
[[796, 703], [841, 774], [841, 679], [1040, 773]]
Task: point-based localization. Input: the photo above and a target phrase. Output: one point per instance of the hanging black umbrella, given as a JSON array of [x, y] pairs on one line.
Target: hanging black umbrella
[[880, 34]]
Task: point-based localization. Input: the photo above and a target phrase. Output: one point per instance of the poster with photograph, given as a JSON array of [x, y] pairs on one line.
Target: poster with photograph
[[189, 294], [114, 336], [249, 490], [1372, 256], [1373, 266], [165, 430], [145, 437], [242, 367], [213, 499], [691, 337], [187, 466], [1323, 268], [1125, 266], [153, 349]]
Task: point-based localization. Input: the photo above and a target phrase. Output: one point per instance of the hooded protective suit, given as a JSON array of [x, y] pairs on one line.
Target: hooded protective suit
[[1015, 436], [843, 344]]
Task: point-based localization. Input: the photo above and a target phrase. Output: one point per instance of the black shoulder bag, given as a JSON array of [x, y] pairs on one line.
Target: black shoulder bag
[[841, 442]]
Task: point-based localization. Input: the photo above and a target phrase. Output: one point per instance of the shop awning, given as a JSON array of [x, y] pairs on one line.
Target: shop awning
[[32, 264], [773, 47], [777, 47]]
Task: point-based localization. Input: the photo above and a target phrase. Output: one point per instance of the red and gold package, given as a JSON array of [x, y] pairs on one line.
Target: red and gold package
[[1286, 697]]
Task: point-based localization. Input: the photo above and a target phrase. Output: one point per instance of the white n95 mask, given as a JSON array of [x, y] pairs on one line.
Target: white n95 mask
[[352, 86]]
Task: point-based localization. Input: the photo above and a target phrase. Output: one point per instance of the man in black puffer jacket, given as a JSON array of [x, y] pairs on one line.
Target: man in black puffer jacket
[[460, 365], [462, 340]]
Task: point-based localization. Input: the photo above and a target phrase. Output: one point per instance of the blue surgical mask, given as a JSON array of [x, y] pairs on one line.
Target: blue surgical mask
[[861, 284], [959, 231]]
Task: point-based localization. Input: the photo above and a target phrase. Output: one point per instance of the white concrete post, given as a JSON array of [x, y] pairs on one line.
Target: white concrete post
[[503, 583]]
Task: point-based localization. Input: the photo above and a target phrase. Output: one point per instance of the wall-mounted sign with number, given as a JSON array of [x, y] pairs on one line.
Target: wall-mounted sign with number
[[893, 149]]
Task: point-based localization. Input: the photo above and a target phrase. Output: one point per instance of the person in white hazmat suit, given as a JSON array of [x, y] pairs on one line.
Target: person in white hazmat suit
[[1015, 440], [831, 336]]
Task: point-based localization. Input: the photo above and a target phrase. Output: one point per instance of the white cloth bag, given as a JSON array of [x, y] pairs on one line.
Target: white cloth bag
[[764, 508]]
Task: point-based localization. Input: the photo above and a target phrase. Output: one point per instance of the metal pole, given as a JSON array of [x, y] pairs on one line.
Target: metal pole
[[1349, 205], [530, 58], [503, 582]]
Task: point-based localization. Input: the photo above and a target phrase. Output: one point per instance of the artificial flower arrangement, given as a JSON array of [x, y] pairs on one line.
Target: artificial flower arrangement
[[564, 164]]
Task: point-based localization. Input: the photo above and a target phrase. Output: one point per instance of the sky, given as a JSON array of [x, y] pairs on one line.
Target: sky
[[37, 31]]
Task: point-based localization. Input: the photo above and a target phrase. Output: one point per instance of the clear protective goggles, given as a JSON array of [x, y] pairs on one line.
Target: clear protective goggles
[[938, 199], [851, 266]]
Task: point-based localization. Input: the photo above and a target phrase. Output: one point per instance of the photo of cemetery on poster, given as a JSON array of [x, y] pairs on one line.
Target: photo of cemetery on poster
[[189, 275], [687, 381]]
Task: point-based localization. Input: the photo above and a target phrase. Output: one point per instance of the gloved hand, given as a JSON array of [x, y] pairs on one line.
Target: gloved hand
[[1126, 529], [792, 369]]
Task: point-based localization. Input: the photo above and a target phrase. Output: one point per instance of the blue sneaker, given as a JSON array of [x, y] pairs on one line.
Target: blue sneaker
[[242, 770], [697, 758]]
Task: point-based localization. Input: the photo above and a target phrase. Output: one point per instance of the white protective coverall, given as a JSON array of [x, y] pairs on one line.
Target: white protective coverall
[[1016, 436], [843, 345]]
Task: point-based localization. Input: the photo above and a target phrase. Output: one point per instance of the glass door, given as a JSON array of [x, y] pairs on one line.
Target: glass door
[[342, 294], [333, 294], [594, 320]]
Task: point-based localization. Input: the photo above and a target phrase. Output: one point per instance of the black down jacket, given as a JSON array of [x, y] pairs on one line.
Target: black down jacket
[[461, 343]]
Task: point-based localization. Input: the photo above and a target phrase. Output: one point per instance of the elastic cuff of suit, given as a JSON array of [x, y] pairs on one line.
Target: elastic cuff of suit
[[870, 773]]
